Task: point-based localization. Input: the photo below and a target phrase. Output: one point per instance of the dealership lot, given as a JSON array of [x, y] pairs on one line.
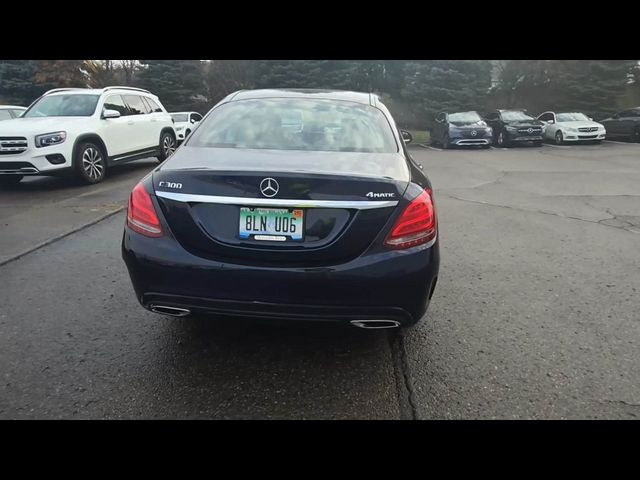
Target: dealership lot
[[535, 314]]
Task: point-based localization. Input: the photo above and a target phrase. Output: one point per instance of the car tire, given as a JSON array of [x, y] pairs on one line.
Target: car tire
[[167, 146], [501, 140], [6, 180], [486, 146], [90, 163], [559, 139]]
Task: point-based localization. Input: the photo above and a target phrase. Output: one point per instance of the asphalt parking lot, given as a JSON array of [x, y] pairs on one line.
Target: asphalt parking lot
[[536, 313]]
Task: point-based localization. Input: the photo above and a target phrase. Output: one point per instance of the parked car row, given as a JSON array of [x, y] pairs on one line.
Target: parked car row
[[83, 132], [506, 128], [7, 112]]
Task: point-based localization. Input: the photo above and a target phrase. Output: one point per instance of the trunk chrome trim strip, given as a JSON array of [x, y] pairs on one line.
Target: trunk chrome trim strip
[[276, 202]]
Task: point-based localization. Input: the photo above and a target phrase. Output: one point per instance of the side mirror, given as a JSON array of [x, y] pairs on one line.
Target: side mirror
[[406, 136], [590, 118], [110, 114]]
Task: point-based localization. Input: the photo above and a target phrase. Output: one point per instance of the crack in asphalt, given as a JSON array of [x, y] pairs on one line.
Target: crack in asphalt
[[406, 393], [546, 212]]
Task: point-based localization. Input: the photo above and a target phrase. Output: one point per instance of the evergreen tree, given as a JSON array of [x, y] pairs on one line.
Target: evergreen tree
[[17, 82], [590, 86], [178, 83], [446, 85], [223, 77]]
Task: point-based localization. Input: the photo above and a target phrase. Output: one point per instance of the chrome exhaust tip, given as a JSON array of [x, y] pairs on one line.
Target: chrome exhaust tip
[[375, 324], [173, 311]]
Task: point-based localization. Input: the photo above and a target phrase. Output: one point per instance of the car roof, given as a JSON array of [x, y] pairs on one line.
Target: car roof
[[99, 91], [340, 95]]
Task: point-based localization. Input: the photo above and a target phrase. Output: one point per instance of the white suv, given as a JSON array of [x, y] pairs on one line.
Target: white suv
[[185, 122], [83, 132]]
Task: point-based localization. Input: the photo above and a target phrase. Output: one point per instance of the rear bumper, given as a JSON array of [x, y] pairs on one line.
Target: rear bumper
[[389, 285]]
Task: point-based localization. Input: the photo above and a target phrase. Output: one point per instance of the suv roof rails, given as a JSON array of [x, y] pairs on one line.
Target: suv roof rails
[[61, 90], [126, 88]]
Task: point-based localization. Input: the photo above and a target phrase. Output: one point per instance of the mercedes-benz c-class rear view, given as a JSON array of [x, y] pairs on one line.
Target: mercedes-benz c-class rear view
[[287, 204]]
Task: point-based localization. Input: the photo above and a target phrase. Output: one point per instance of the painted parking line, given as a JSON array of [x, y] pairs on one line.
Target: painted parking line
[[555, 146], [620, 143], [430, 147]]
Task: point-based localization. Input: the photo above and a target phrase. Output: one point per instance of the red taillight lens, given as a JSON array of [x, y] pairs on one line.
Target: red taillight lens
[[142, 216], [416, 225]]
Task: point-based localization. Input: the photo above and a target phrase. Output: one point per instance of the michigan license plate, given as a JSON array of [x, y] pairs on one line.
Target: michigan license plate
[[271, 224]]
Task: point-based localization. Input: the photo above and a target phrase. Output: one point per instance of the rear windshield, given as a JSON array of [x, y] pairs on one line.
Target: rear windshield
[[296, 124], [72, 105], [180, 117]]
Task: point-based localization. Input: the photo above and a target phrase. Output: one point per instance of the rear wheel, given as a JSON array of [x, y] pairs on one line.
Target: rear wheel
[[167, 146], [10, 179], [90, 163], [502, 140], [559, 138]]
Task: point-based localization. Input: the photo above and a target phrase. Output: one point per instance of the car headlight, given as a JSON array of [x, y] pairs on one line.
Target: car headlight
[[511, 129], [48, 139]]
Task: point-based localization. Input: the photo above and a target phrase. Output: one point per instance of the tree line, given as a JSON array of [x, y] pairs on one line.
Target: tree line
[[414, 90]]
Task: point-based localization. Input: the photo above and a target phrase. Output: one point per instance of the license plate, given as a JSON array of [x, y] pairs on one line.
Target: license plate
[[271, 224]]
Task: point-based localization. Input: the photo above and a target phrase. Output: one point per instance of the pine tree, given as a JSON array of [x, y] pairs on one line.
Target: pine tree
[[178, 83], [17, 82], [446, 85], [590, 86]]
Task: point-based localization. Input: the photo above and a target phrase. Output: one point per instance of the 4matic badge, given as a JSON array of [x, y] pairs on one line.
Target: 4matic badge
[[380, 195]]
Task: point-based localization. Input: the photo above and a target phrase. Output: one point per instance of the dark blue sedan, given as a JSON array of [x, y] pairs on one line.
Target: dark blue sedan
[[287, 204]]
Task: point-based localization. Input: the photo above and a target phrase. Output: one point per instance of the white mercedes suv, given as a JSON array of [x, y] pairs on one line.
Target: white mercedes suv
[[185, 122], [83, 132]]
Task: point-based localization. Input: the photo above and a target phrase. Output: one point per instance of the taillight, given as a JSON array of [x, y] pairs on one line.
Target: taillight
[[141, 215], [416, 225]]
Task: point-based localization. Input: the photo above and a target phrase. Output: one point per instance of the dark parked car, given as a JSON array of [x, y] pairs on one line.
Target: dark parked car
[[624, 124], [331, 221], [511, 127], [461, 128]]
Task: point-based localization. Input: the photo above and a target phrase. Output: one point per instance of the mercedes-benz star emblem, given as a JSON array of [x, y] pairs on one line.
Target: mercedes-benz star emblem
[[530, 130], [474, 133], [269, 187]]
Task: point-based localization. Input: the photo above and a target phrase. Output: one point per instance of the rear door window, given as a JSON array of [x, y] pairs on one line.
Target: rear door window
[[135, 104]]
